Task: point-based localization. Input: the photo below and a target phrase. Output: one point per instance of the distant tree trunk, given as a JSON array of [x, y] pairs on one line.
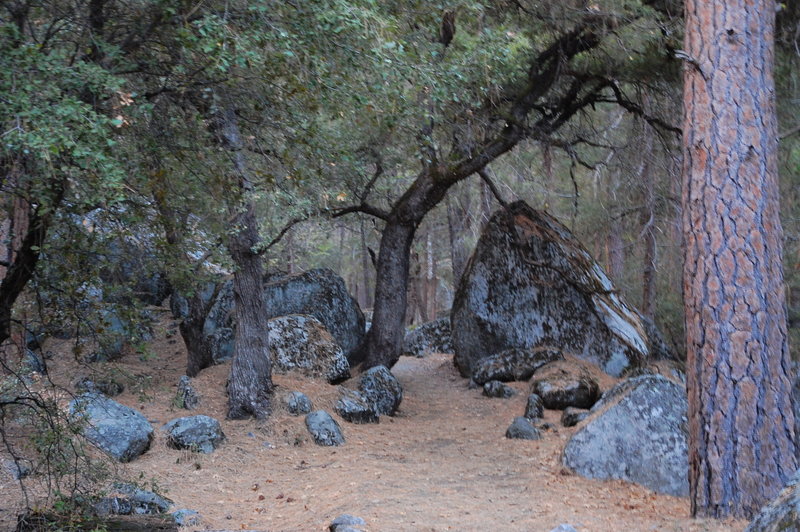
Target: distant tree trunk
[[615, 249], [364, 300], [741, 423], [250, 384], [458, 225], [648, 220], [431, 281]]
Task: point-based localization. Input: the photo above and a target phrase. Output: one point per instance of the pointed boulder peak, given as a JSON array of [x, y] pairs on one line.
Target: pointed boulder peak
[[530, 282]]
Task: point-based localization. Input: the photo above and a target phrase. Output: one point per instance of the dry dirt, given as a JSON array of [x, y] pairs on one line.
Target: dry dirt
[[442, 463]]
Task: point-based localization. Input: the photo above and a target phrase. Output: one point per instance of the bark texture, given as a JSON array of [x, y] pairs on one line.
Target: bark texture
[[741, 424], [250, 384]]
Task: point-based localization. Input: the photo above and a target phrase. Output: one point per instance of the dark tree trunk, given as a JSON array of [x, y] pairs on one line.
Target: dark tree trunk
[[741, 422], [250, 384], [364, 300], [198, 344], [458, 225]]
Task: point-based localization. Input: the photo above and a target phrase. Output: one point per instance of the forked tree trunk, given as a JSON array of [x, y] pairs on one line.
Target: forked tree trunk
[[741, 422]]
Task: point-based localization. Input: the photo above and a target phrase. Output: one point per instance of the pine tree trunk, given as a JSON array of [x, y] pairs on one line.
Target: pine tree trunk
[[741, 423]]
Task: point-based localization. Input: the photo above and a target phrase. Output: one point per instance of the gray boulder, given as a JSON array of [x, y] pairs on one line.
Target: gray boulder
[[301, 343], [324, 429], [561, 384], [564, 528], [431, 337], [515, 364], [782, 513], [346, 521], [186, 396], [534, 408], [636, 432], [322, 294], [498, 390], [381, 389], [120, 431], [530, 282], [297, 403], [144, 501], [352, 406], [523, 429], [196, 433]]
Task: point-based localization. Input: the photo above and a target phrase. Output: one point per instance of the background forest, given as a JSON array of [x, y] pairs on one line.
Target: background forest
[[154, 145]]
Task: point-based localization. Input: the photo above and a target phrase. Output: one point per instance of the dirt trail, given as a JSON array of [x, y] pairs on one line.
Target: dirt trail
[[442, 463]]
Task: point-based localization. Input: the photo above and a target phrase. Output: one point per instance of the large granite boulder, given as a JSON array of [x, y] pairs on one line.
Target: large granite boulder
[[782, 513], [431, 337], [302, 343], [352, 406], [196, 433], [636, 432], [322, 294], [530, 282], [120, 431], [515, 364]]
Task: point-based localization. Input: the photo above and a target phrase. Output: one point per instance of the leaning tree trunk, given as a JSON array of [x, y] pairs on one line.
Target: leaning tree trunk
[[741, 423], [250, 384]]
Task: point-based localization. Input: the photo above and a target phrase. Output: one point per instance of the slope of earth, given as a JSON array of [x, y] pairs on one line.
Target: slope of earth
[[442, 463]]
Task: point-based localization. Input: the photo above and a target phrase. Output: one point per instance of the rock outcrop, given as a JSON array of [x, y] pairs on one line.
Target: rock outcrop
[[636, 432], [530, 283], [431, 337], [322, 294], [515, 364], [120, 431]]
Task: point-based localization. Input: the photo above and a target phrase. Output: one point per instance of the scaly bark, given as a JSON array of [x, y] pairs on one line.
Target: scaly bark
[[741, 422]]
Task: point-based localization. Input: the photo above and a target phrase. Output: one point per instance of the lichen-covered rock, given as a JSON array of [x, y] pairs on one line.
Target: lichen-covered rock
[[196, 433], [324, 429], [431, 337], [561, 384], [186, 517], [515, 364], [352, 406], [572, 416], [301, 343], [297, 403], [636, 432], [523, 429], [120, 431], [186, 396], [382, 390], [498, 390], [534, 408], [530, 282], [322, 294], [782, 513]]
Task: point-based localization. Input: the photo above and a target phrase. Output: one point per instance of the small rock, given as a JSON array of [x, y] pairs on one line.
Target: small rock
[[113, 506], [297, 403], [186, 517], [534, 409], [564, 528], [196, 433], [353, 407], [514, 364], [382, 390], [187, 396], [572, 416], [324, 429], [523, 429], [345, 520], [498, 389]]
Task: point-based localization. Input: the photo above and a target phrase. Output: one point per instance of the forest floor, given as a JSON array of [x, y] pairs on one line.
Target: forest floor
[[442, 463]]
